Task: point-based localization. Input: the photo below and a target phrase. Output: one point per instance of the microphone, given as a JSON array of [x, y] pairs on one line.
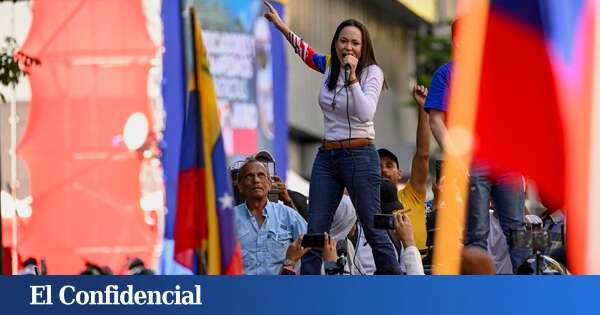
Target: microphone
[[342, 252], [347, 74]]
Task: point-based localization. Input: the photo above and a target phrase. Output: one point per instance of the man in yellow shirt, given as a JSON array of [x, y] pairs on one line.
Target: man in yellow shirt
[[412, 196]]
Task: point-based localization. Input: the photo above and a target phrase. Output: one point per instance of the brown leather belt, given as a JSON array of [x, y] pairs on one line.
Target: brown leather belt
[[346, 143]]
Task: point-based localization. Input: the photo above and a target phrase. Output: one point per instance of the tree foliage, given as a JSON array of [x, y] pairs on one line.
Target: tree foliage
[[432, 52], [13, 64]]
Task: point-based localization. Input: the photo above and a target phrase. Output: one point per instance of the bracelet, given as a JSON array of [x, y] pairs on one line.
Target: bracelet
[[286, 270], [289, 263]]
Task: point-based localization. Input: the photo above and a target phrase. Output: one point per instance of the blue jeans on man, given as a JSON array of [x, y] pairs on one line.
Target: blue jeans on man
[[358, 170], [509, 198]]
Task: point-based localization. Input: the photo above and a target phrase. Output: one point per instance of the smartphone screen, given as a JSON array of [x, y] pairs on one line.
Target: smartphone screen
[[270, 168]]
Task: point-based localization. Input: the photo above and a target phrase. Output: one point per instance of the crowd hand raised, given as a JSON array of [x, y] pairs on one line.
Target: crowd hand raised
[[533, 219], [419, 94], [404, 230], [295, 251], [283, 193], [329, 250]]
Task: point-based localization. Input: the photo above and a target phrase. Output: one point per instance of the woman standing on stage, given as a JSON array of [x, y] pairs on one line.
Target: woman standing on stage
[[349, 93]]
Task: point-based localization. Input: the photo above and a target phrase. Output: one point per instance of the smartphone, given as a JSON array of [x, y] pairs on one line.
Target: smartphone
[[384, 222], [274, 194], [270, 166], [313, 240]]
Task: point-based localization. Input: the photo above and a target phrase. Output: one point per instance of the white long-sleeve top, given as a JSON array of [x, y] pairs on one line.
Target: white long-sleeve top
[[362, 99], [362, 96]]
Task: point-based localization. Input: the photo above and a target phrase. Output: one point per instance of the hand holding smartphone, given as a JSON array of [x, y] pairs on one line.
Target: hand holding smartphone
[[384, 222], [314, 240]]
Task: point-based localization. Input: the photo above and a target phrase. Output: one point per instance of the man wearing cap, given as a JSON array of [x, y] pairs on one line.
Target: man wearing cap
[[412, 196], [265, 229], [278, 185]]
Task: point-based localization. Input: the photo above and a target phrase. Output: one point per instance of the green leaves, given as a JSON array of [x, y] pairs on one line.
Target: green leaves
[[13, 65], [9, 67], [432, 52]]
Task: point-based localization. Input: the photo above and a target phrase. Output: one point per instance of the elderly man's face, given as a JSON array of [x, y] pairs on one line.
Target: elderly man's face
[[255, 183]]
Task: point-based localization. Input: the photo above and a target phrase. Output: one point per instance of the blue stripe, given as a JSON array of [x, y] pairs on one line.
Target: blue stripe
[[320, 61], [280, 141], [222, 187], [191, 157], [523, 11], [556, 20], [490, 295], [173, 92], [562, 21]]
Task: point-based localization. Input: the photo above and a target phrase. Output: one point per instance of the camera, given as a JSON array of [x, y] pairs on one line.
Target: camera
[[537, 240]]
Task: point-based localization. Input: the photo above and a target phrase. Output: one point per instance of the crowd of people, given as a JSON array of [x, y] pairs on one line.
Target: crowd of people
[[135, 267], [355, 220]]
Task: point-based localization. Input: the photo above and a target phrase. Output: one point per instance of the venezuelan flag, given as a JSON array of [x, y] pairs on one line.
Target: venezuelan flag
[[204, 220], [523, 99]]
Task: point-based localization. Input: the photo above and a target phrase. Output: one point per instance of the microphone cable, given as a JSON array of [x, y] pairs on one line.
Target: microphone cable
[[346, 82], [359, 228]]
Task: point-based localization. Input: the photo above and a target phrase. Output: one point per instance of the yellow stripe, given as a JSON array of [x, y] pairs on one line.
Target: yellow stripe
[[461, 122], [210, 131]]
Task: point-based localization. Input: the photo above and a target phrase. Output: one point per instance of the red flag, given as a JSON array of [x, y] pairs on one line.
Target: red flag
[[533, 96]]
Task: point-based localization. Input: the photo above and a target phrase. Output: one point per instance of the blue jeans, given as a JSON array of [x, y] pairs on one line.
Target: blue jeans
[[358, 170], [509, 198]]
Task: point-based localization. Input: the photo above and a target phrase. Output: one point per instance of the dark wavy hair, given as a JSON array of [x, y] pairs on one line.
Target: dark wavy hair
[[367, 55]]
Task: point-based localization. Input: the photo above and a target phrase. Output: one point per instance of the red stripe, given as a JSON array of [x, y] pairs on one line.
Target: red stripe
[[190, 223], [235, 265], [518, 119]]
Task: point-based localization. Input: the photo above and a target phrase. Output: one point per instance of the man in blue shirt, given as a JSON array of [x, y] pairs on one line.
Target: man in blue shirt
[[265, 229], [436, 103], [506, 190]]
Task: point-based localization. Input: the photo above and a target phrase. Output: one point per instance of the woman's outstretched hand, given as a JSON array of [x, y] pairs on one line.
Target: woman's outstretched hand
[[272, 14]]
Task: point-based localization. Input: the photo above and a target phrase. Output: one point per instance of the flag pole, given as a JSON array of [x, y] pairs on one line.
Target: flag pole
[[201, 254], [461, 123]]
